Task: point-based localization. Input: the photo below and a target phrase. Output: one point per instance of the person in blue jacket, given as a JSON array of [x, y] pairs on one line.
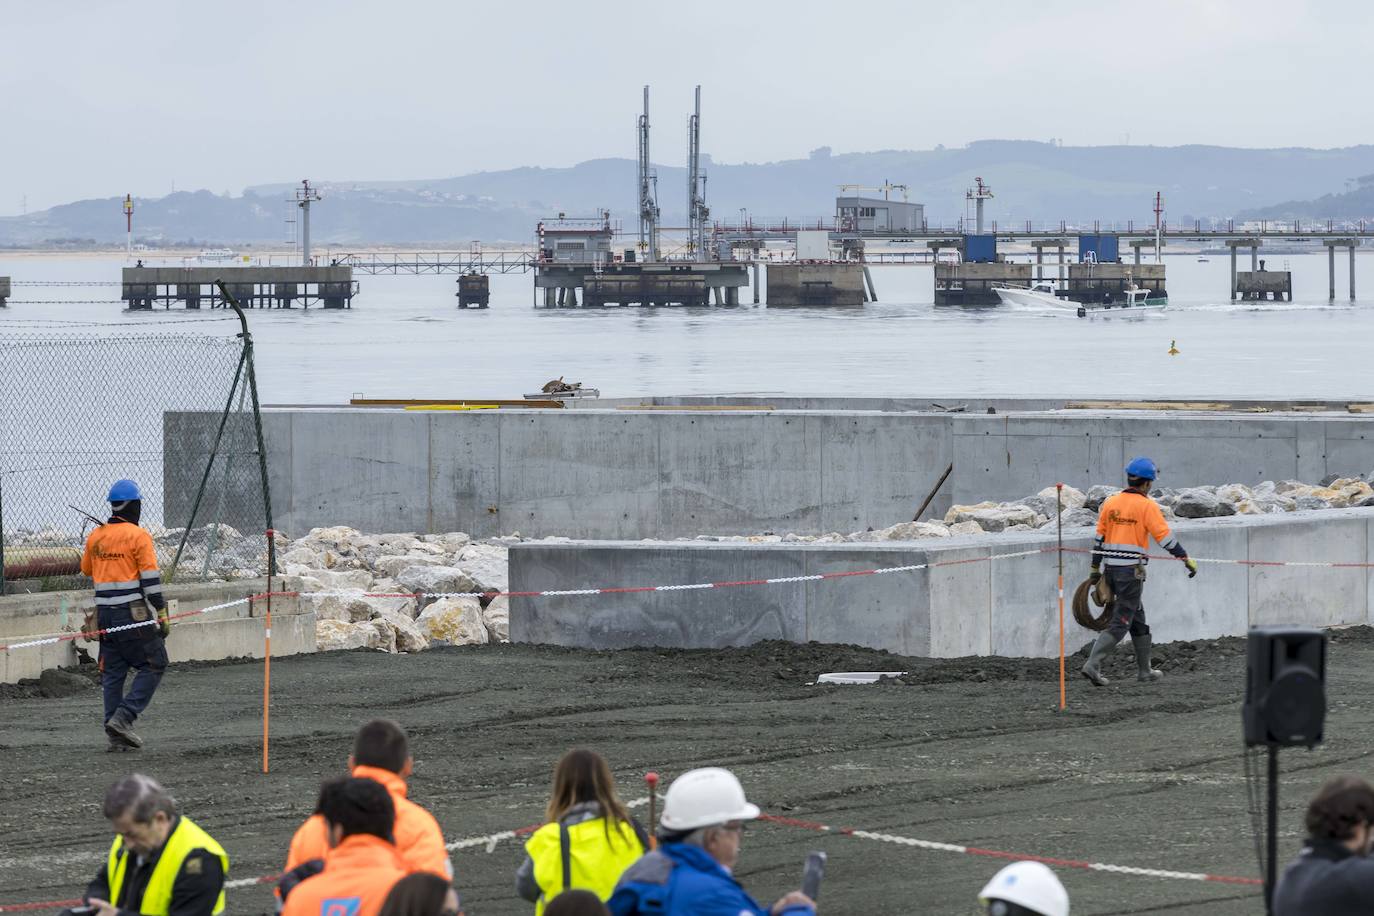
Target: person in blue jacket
[[690, 874]]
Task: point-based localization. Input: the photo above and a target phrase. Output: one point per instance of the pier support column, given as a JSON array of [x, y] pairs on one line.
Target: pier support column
[[1233, 273], [1061, 263], [1331, 263], [873, 291], [1254, 257], [1352, 273], [1137, 254], [732, 295], [756, 282], [1039, 262]]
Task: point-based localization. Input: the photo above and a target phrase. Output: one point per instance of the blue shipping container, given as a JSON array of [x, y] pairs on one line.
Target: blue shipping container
[[1102, 248], [980, 249]]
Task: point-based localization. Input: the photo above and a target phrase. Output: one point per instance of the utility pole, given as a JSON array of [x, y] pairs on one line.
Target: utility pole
[[128, 226], [305, 195], [648, 191], [1159, 209]]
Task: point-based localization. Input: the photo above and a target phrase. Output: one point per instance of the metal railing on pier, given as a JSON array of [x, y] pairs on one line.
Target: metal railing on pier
[[439, 262]]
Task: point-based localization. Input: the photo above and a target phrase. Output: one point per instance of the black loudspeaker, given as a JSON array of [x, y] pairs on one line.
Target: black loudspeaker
[[1285, 686]]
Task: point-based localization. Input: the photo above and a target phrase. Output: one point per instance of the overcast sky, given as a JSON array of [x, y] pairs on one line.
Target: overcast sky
[[104, 98]]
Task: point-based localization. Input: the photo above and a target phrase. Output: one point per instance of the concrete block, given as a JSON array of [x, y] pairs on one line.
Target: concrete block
[[960, 599], [378, 482], [890, 611], [580, 475], [1212, 604], [465, 472], [717, 470], [680, 619], [1310, 596], [1024, 597], [876, 470]]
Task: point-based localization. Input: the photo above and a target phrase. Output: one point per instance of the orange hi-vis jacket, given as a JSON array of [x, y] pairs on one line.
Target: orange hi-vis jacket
[[120, 557], [1125, 524], [357, 876], [418, 837]]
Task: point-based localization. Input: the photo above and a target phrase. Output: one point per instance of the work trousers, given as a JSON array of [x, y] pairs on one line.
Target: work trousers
[[1128, 608], [141, 650]]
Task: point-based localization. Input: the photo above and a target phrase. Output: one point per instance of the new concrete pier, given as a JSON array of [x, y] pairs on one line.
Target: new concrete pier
[[976, 606], [561, 284], [253, 287]]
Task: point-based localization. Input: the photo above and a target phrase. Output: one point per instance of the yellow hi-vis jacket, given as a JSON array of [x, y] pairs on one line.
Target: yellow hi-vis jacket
[[184, 839], [594, 863]]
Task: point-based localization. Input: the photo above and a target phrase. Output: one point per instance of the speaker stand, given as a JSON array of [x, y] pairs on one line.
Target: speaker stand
[[1272, 839]]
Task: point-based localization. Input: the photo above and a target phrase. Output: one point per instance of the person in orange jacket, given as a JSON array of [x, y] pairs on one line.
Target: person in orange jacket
[[362, 864], [381, 752], [1125, 524], [121, 560]]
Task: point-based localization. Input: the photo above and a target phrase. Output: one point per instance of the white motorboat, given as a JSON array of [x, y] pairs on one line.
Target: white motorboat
[[1041, 294], [1137, 299], [216, 255]]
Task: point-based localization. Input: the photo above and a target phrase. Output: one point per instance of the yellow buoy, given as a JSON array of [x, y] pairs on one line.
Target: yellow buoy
[[1173, 349]]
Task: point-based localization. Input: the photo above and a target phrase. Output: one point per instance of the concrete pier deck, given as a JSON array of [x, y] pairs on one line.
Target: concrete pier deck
[[253, 287]]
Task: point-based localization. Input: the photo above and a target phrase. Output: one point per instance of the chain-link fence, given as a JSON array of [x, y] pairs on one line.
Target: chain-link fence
[[174, 413]]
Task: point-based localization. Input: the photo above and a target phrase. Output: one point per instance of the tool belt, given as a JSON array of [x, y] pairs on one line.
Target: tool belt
[[1101, 596]]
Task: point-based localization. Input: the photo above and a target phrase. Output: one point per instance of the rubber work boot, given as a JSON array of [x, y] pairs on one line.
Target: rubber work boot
[[1092, 668], [1144, 672], [119, 730], [118, 747]]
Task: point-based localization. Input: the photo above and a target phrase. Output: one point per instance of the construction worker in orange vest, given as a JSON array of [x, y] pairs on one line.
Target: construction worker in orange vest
[[130, 610], [1125, 524], [381, 752], [361, 865]]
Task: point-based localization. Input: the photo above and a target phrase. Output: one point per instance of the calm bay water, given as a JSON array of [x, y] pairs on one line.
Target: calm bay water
[[405, 337]]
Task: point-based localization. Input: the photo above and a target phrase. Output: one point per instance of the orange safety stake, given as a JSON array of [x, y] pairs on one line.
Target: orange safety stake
[[1059, 529]]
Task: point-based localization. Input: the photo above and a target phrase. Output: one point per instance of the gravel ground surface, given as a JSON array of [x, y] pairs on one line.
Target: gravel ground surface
[[968, 751]]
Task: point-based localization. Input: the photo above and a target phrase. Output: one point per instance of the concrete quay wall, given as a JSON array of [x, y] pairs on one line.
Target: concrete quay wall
[[1004, 607], [586, 473], [664, 473], [1013, 455], [235, 632]]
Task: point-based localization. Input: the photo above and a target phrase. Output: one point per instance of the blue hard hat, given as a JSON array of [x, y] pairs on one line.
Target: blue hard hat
[[1143, 468], [121, 491]]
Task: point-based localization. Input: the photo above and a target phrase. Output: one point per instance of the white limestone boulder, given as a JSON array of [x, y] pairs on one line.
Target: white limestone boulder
[[457, 621]]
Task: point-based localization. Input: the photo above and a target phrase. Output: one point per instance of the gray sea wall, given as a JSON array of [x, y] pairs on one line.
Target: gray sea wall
[[663, 473]]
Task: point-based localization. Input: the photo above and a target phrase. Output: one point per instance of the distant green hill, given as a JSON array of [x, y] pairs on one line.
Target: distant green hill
[[1355, 204], [1043, 182]]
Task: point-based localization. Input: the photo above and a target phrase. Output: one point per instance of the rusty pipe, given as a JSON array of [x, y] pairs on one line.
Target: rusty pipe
[[38, 562]]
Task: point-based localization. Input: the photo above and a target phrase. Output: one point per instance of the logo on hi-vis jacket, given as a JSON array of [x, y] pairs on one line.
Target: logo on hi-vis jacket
[[102, 554], [1116, 518], [341, 906]]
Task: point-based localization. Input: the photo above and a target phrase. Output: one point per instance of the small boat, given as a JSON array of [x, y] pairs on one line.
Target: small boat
[[1137, 300], [1043, 293], [216, 255]]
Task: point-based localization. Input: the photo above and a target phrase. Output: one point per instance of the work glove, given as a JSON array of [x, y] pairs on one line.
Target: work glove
[[1094, 576], [164, 623], [1192, 566]]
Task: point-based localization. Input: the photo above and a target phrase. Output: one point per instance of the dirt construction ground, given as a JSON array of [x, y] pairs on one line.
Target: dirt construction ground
[[970, 752]]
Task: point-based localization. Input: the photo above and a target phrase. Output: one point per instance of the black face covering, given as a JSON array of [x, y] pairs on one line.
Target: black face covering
[[129, 511]]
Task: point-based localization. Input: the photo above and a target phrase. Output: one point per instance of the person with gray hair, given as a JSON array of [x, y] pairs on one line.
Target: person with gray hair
[[161, 863], [692, 872]]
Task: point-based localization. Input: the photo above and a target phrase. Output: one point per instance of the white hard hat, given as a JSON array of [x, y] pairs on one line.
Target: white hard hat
[[702, 798], [1031, 885]]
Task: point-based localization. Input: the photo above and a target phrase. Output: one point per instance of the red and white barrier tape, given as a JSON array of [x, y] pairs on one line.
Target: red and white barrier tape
[[1317, 564], [51, 639], [694, 586], [1014, 856]]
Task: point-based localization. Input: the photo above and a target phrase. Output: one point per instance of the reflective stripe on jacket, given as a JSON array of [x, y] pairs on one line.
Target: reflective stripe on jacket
[[186, 837], [418, 837], [598, 855], [122, 561], [1125, 524]]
